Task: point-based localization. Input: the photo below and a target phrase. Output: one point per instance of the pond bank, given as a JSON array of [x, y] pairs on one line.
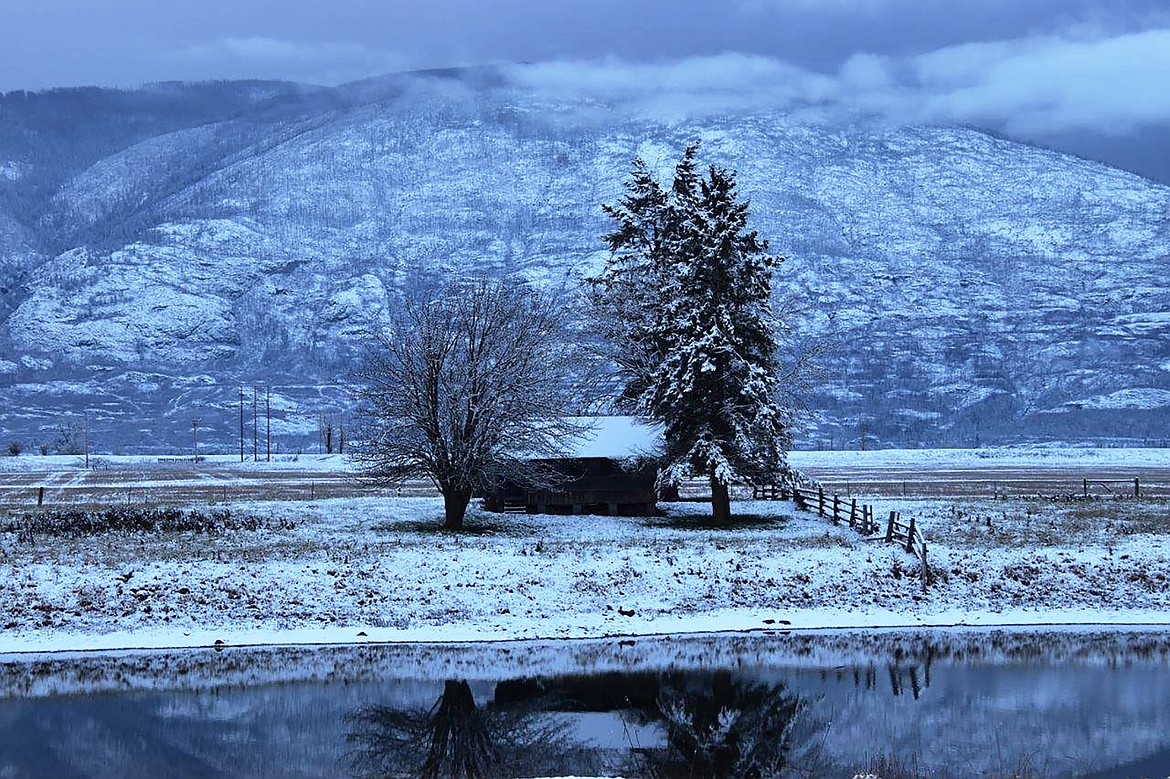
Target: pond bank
[[706, 624]]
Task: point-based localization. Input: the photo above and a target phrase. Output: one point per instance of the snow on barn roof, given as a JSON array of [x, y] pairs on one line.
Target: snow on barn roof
[[616, 438]]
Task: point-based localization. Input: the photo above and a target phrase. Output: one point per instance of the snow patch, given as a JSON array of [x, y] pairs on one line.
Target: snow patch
[[1060, 455], [1134, 399], [11, 170], [35, 363]]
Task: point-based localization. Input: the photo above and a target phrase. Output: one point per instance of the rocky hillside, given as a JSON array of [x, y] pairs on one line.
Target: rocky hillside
[[161, 247]]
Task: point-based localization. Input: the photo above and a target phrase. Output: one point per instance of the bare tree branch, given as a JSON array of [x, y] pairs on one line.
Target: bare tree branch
[[466, 387]]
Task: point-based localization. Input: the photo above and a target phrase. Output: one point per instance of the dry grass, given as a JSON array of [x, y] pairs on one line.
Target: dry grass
[[169, 485], [890, 767], [74, 522], [1016, 482], [1133, 518], [739, 522], [1044, 523]]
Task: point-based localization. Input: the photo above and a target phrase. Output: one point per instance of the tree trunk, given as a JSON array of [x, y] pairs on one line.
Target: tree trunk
[[459, 744], [720, 502], [455, 508]]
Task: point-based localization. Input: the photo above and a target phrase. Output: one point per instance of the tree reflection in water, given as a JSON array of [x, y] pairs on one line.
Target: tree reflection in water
[[718, 727], [456, 739]]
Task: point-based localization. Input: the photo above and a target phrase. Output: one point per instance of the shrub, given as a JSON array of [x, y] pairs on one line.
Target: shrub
[[81, 522], [15, 448]]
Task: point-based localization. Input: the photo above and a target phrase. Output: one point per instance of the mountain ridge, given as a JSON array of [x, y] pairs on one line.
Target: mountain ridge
[[971, 289]]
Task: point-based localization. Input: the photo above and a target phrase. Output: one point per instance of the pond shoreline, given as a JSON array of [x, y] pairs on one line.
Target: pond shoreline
[[18, 647], [69, 672]]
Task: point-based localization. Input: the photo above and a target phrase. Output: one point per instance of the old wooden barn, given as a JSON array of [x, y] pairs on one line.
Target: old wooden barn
[[611, 470]]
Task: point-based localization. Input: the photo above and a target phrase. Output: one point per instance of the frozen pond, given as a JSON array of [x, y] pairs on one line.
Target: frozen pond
[[963, 702]]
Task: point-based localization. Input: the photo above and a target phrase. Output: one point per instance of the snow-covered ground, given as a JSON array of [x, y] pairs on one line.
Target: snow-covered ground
[[375, 569], [1056, 456], [113, 462], [1038, 455]]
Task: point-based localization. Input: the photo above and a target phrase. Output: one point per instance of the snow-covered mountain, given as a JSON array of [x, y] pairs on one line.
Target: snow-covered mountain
[[161, 247]]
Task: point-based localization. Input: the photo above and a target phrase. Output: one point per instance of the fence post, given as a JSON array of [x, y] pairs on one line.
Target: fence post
[[1086, 481], [853, 512], [1137, 487], [890, 526], [836, 508], [925, 570], [820, 501], [910, 536], [40, 496]]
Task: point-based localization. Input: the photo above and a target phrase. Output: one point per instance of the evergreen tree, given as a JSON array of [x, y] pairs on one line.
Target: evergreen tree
[[685, 303], [625, 295]]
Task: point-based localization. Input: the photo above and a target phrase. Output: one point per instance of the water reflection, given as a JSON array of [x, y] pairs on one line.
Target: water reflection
[[738, 706], [720, 727], [715, 726], [458, 739], [93, 738]]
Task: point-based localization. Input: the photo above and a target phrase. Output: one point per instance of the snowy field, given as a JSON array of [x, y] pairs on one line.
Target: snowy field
[[1014, 472], [1058, 455], [1011, 471], [375, 569]]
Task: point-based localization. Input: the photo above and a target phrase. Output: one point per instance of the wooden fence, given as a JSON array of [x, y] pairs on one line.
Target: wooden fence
[[909, 537], [858, 516], [1121, 491], [1001, 482], [1088, 489], [838, 510]]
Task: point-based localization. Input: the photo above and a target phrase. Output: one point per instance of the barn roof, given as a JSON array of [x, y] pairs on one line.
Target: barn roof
[[617, 438]]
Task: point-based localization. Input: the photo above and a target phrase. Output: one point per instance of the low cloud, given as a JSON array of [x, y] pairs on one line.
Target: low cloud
[[694, 85], [1035, 86], [316, 63], [1051, 84]]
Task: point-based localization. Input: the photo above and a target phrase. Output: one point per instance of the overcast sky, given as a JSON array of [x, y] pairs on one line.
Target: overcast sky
[[1069, 72]]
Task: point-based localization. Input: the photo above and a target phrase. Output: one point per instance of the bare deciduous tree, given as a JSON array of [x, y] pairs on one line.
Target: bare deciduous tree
[[457, 739], [466, 387]]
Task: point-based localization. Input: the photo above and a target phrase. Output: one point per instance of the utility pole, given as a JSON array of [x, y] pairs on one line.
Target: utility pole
[[87, 439], [255, 425], [195, 437], [268, 424], [241, 424]]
